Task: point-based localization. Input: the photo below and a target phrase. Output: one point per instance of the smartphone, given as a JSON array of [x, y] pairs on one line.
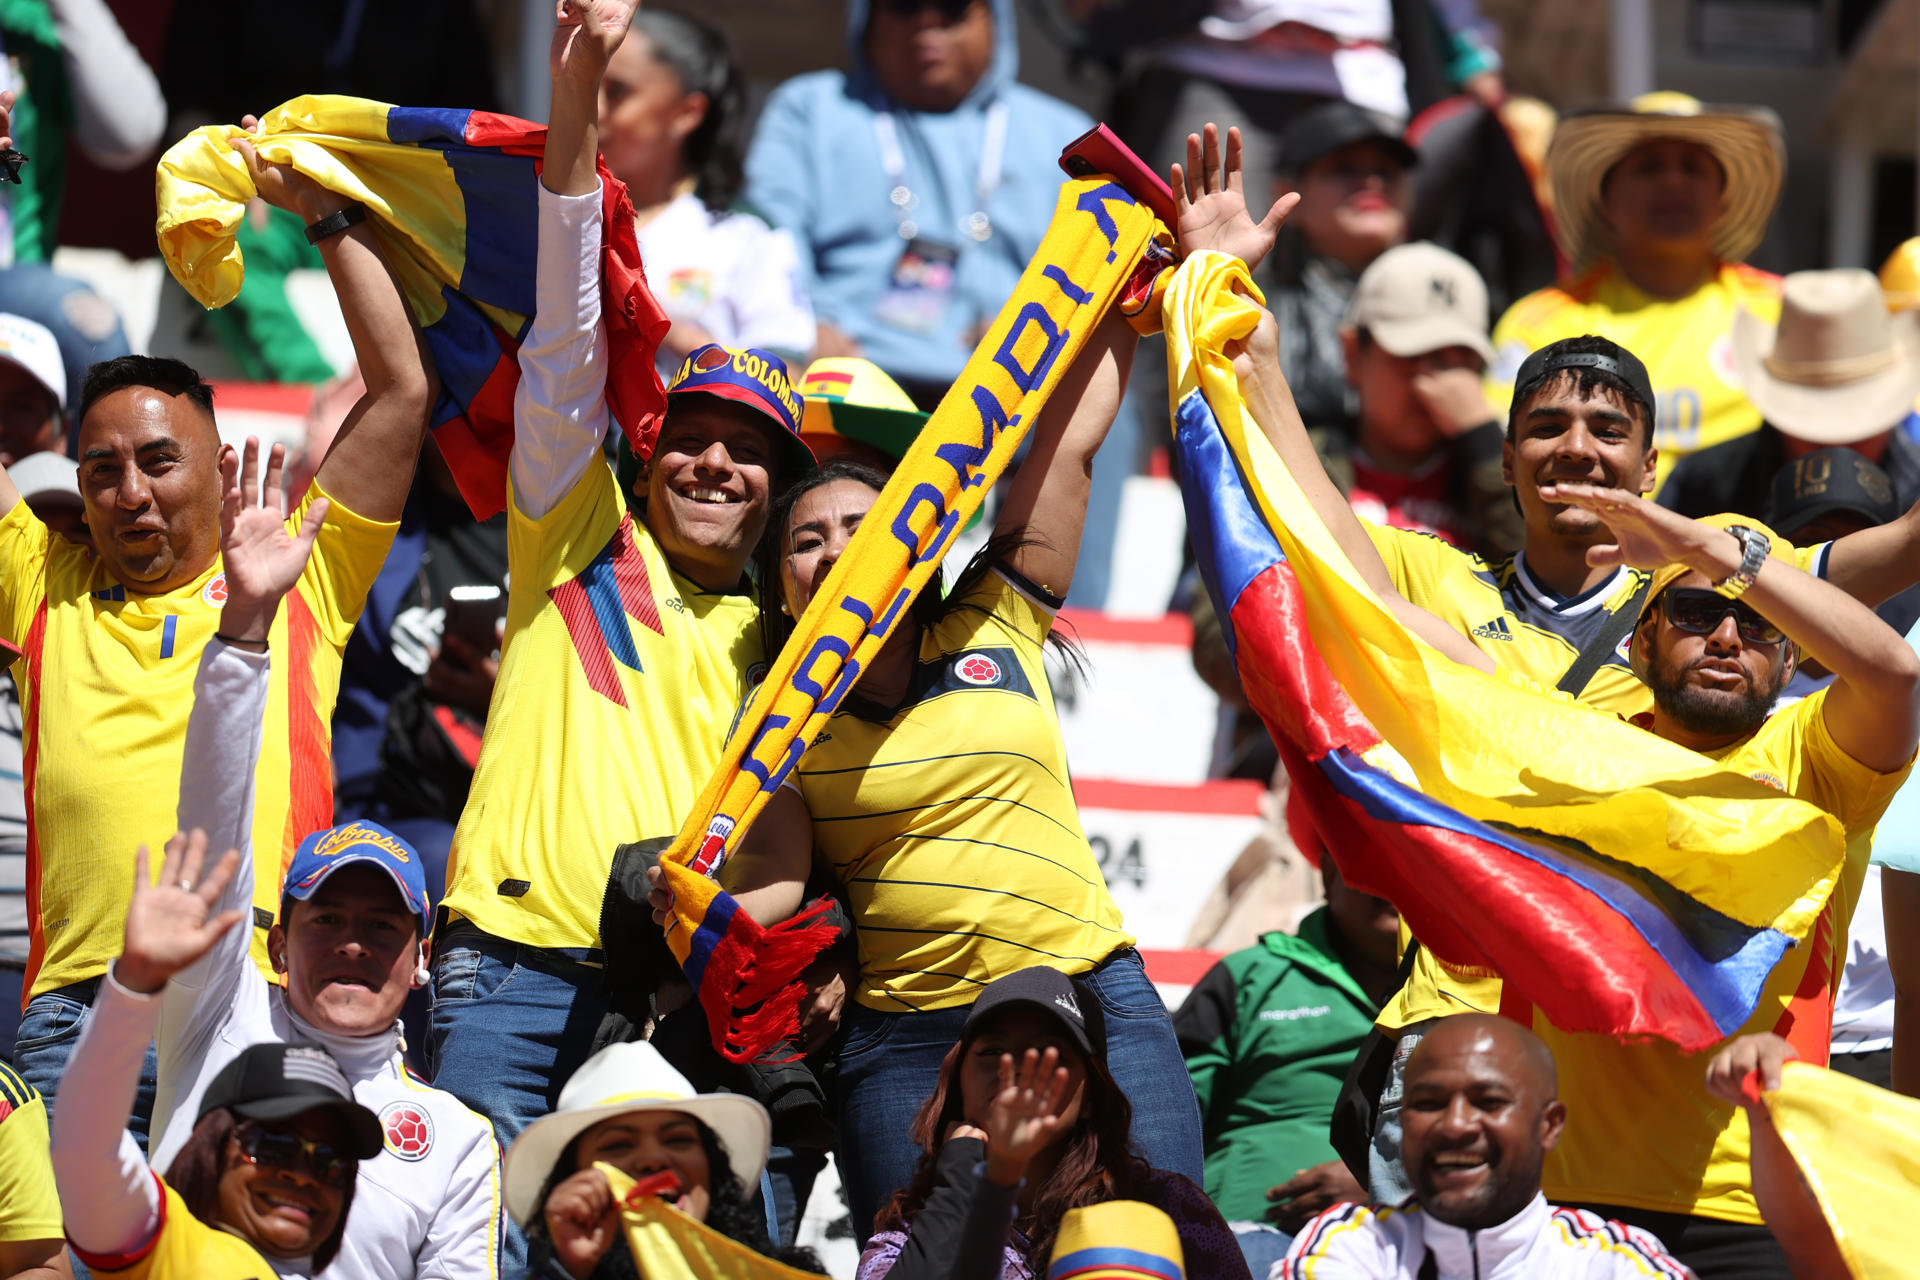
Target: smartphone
[[1100, 151], [474, 613]]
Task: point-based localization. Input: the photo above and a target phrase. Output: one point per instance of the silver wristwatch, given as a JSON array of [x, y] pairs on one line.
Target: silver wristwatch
[[1753, 553]]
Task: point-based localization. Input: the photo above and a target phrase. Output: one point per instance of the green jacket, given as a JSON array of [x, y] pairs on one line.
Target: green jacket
[[1268, 1035]]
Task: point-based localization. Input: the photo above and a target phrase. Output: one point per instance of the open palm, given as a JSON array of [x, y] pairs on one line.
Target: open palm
[[585, 36], [171, 924], [262, 559], [1212, 204], [1645, 534], [1025, 1114]]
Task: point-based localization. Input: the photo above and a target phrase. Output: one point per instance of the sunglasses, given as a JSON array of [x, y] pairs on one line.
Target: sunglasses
[[290, 1151], [950, 10], [1699, 612]]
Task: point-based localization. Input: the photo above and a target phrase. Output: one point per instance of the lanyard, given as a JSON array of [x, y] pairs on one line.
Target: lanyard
[[993, 150]]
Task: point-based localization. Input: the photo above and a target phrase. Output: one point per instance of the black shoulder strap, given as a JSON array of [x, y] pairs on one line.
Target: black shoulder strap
[[1604, 641], [1429, 1268]]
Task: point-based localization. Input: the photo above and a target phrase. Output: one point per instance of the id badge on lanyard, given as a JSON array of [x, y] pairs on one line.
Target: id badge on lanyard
[[920, 288]]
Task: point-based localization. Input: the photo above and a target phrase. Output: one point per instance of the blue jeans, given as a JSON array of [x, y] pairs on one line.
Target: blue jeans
[[890, 1064], [1387, 1180], [509, 1025], [49, 1030], [83, 322], [1261, 1245]]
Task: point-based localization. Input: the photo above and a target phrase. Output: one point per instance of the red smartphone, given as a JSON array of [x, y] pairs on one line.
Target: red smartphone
[[1100, 151]]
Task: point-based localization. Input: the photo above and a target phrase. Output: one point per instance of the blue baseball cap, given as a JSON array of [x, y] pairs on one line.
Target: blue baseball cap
[[325, 852], [756, 379]]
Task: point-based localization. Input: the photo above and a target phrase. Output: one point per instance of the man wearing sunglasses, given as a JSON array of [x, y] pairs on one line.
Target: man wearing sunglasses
[[350, 942]]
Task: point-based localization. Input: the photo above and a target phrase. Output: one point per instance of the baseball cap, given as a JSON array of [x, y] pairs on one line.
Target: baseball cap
[[32, 346], [325, 852], [46, 472], [1828, 480], [757, 379], [1333, 125], [1416, 298], [1610, 358], [1048, 990], [275, 1081]]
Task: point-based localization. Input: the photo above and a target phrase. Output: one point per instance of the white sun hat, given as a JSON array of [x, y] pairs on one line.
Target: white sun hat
[[618, 1080]]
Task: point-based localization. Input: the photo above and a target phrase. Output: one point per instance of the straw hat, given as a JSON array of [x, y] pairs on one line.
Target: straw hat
[[1745, 140], [1900, 276], [1838, 369], [847, 398], [619, 1080], [1117, 1240]]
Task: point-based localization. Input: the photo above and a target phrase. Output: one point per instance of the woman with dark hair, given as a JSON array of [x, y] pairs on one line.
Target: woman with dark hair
[[1024, 1124], [626, 1107], [673, 116], [263, 1184], [939, 798]]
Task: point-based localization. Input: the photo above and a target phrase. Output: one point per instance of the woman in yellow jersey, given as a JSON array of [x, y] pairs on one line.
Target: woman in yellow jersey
[[264, 1184], [938, 796]]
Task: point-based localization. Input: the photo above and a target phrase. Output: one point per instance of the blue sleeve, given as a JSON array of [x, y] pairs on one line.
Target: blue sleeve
[[782, 181]]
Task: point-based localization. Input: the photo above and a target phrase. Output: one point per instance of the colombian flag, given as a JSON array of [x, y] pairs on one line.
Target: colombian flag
[[450, 196], [1618, 882]]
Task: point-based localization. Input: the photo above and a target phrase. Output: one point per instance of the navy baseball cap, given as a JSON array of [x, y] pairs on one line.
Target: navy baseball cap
[[756, 379], [1614, 359], [325, 852]]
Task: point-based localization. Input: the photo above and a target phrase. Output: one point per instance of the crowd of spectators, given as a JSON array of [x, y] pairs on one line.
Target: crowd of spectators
[[392, 997]]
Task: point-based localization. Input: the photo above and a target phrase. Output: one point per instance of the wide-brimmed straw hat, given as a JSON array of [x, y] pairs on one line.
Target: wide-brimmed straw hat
[[1839, 368], [1745, 140], [618, 1080]]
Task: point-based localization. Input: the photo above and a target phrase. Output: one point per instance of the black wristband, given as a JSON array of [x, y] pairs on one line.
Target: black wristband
[[235, 642], [336, 222]]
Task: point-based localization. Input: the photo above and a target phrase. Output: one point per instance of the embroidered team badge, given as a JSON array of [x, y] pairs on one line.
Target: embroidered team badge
[[978, 669], [1771, 779], [407, 1130], [215, 592]]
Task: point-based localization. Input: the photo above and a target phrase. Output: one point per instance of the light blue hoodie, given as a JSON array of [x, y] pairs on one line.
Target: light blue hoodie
[[815, 168]]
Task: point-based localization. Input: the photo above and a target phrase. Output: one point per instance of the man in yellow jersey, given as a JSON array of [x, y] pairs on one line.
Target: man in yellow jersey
[[629, 639], [111, 640], [1659, 203]]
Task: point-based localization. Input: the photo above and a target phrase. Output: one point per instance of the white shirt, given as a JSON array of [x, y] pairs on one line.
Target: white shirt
[[1863, 1011], [729, 273], [428, 1206], [1352, 1242]]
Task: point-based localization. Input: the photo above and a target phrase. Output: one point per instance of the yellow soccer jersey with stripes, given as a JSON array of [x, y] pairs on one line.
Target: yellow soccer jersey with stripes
[[1530, 631], [952, 822], [183, 1248], [1685, 344], [618, 680], [29, 1204], [106, 682]]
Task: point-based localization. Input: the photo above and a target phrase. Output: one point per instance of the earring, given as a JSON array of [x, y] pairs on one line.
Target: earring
[[784, 609]]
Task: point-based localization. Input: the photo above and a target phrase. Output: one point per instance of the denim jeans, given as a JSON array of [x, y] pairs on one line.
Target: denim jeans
[[890, 1064], [48, 1031], [1261, 1245], [509, 1025], [1386, 1174]]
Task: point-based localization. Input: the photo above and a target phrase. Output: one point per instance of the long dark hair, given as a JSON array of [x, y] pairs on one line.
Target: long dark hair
[[700, 56], [1096, 1164], [730, 1211], [931, 607], [195, 1176]]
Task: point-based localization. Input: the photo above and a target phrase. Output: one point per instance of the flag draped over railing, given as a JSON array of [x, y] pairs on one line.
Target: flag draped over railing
[[452, 198], [1620, 883]]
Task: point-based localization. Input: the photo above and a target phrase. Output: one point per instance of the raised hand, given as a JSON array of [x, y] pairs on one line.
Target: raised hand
[[586, 33], [261, 559], [1212, 206], [282, 185], [1025, 1114], [1646, 534], [170, 922], [1742, 1056], [582, 1221]]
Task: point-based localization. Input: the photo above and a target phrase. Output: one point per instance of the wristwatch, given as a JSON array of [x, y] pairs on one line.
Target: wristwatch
[[1753, 553], [336, 222]]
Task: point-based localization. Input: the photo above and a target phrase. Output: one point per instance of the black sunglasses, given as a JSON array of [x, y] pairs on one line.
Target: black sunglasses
[[290, 1151], [950, 10], [1699, 612]]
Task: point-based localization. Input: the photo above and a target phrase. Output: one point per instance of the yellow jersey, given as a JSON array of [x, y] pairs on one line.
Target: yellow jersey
[[183, 1248], [1642, 1131], [1686, 345], [29, 1204], [951, 820], [106, 683], [618, 679]]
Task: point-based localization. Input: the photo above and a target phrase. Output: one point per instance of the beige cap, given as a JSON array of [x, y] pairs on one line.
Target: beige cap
[[1837, 369], [1416, 298]]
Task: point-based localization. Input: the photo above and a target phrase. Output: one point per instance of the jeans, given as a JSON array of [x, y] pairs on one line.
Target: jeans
[[1387, 1179], [49, 1030], [890, 1065], [1261, 1245], [509, 1025]]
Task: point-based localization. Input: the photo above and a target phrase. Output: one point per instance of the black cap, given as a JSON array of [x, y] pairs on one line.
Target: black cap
[[1612, 358], [1048, 990], [1825, 481], [1333, 125], [275, 1081]]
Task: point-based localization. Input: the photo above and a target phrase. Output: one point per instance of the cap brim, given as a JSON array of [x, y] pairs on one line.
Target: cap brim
[[1846, 413], [740, 1123], [1077, 1031], [796, 459], [1801, 516], [1417, 337], [1587, 145], [363, 1127]]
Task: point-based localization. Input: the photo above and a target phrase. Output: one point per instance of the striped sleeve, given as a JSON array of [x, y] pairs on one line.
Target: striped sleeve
[[1344, 1243], [1628, 1251]]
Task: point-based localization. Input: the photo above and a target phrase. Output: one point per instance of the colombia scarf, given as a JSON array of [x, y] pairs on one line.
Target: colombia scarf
[[668, 1245], [1518, 833], [1092, 255], [450, 196]]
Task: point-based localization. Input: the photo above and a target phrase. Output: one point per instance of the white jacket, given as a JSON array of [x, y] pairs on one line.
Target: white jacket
[[1353, 1242], [428, 1206]]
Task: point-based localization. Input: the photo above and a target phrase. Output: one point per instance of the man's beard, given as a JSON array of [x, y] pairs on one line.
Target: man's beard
[[1713, 712]]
